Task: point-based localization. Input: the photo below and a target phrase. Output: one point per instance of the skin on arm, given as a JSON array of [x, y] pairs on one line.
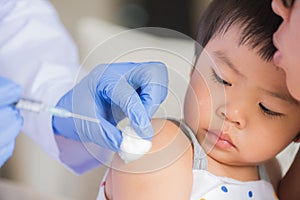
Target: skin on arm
[[289, 186], [164, 173], [274, 172]]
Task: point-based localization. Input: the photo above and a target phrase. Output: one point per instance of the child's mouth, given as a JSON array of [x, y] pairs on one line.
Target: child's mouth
[[220, 139]]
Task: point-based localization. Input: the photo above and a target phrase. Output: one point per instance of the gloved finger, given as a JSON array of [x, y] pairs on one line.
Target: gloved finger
[[103, 133], [152, 95], [10, 124], [122, 94], [152, 79], [9, 92], [6, 152]]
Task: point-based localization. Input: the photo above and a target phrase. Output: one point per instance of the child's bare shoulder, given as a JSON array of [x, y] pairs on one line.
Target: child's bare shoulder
[[169, 164], [167, 134], [169, 144]]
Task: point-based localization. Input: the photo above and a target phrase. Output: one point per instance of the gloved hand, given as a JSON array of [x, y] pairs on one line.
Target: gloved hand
[[109, 93], [10, 119]]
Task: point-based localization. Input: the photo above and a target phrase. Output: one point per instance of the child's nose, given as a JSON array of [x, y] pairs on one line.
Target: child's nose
[[232, 115]]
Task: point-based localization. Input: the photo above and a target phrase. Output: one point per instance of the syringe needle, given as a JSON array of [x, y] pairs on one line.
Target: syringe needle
[[86, 118], [60, 112]]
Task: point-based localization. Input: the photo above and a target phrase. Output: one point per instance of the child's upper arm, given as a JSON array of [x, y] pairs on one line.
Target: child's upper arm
[[164, 173]]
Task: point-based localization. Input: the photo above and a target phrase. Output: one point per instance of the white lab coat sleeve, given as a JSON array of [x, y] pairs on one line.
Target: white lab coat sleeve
[[38, 53]]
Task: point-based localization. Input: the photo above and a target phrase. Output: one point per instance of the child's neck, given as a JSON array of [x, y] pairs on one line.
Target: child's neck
[[241, 173]]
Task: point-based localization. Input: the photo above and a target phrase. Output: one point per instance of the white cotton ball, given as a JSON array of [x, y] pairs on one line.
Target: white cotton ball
[[133, 146]]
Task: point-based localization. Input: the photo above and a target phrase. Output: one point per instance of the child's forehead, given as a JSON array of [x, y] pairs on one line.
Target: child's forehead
[[241, 36]]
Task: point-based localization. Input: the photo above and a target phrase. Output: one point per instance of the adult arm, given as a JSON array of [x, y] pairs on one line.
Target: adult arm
[[274, 172], [37, 52], [289, 185]]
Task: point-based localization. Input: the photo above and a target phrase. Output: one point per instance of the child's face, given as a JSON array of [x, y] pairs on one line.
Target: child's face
[[287, 40], [242, 107]]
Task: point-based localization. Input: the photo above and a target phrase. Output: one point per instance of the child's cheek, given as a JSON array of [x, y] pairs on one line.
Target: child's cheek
[[197, 105]]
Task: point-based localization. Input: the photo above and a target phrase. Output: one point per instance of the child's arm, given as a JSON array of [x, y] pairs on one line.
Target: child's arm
[[289, 185], [164, 173]]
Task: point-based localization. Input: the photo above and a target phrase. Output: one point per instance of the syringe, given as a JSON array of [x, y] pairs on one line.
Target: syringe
[[37, 107]]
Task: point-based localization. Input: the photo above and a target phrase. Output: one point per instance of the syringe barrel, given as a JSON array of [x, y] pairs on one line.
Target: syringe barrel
[[38, 106], [30, 105]]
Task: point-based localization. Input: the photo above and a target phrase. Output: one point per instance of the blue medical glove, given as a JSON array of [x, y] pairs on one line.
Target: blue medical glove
[[109, 93], [10, 119]]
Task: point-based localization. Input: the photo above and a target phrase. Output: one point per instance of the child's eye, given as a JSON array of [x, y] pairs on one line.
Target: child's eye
[[218, 79], [269, 112]]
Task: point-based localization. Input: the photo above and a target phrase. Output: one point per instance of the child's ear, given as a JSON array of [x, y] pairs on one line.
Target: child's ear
[[297, 138]]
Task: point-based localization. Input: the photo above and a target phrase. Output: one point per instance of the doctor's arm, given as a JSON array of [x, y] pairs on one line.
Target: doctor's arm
[[37, 52]]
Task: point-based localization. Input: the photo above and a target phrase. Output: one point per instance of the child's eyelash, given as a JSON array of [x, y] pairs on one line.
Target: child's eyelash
[[269, 112], [218, 79], [266, 111]]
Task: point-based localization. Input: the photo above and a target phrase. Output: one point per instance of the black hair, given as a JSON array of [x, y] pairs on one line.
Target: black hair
[[256, 19]]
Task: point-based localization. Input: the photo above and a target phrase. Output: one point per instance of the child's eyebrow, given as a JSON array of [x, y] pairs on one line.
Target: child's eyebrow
[[221, 55], [285, 97]]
